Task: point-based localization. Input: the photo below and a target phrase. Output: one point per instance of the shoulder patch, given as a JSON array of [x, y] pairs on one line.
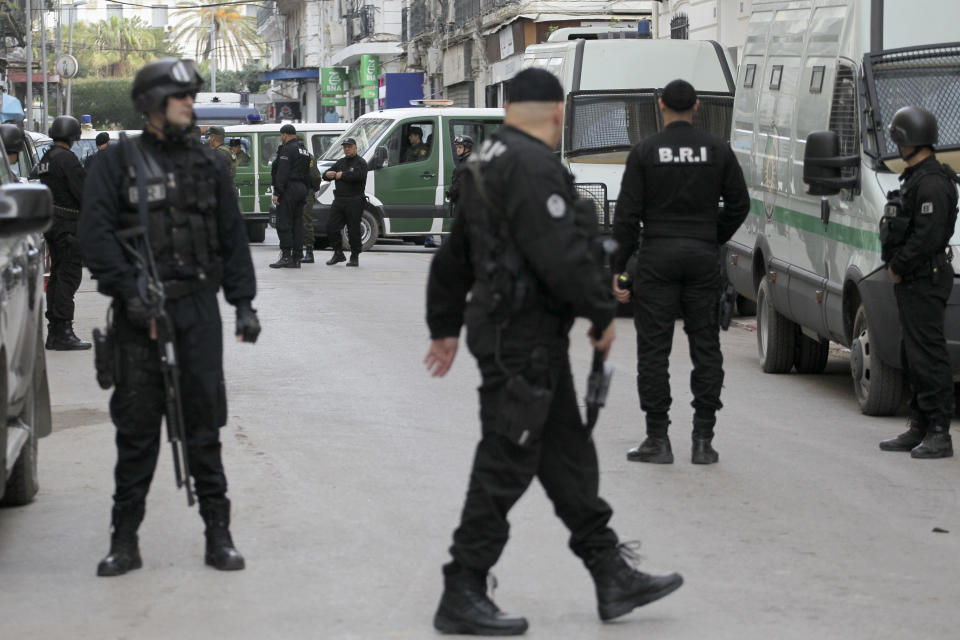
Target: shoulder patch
[[926, 208], [556, 206]]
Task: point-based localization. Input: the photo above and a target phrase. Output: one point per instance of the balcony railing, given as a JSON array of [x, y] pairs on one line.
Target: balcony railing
[[360, 23]]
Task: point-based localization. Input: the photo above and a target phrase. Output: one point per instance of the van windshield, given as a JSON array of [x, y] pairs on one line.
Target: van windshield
[[599, 122], [926, 76], [365, 132]]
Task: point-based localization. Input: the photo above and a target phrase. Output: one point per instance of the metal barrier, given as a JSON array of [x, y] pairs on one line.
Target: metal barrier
[[597, 193]]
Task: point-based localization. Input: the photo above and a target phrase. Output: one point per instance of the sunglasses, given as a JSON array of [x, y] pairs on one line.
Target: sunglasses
[[182, 95]]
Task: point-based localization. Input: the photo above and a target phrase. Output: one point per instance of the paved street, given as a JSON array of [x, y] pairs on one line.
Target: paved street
[[348, 465]]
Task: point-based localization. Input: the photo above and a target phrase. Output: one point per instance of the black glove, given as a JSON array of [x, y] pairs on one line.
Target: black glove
[[137, 312], [248, 326]]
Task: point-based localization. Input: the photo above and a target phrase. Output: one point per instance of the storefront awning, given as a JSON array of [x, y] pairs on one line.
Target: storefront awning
[[21, 76], [349, 56]]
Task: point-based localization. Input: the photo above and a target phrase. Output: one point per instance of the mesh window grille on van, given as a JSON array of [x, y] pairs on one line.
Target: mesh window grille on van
[[843, 114]]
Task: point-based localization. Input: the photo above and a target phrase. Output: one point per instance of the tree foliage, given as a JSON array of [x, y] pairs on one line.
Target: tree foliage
[[236, 34], [250, 76], [107, 101], [117, 47]]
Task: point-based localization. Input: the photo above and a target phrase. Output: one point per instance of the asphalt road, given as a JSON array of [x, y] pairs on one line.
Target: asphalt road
[[348, 464]]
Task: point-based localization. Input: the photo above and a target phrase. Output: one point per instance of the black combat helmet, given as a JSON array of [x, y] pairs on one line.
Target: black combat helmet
[[159, 80], [12, 138], [65, 129], [913, 127], [466, 141]]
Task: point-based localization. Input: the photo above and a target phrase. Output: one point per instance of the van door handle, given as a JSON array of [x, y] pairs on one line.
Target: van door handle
[[427, 174], [825, 212]]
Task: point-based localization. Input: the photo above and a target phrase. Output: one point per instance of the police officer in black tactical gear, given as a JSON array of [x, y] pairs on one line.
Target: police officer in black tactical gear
[[463, 146], [62, 172], [12, 137], [290, 176], [520, 264], [199, 244], [350, 173], [672, 186], [921, 269]]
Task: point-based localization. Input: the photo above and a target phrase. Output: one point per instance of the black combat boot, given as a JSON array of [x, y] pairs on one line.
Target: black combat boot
[[124, 553], [337, 257], [220, 554], [294, 262], [354, 260], [283, 261], [936, 443], [703, 451], [656, 448], [621, 588], [466, 609], [60, 337], [906, 441], [307, 256]]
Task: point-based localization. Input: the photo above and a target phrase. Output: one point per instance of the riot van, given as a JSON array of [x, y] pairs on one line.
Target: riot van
[[612, 86], [257, 151], [818, 84], [406, 193]]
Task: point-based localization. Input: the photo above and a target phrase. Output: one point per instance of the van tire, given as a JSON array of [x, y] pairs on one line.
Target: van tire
[[776, 335], [812, 355], [877, 385], [23, 483], [746, 306], [369, 231], [256, 231]]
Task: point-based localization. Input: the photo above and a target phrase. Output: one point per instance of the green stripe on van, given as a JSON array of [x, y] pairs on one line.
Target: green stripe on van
[[867, 240]]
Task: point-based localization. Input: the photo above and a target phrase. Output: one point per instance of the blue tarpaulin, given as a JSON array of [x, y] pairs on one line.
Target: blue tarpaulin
[[12, 109]]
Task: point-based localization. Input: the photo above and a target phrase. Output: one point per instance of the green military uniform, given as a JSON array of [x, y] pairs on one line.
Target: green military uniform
[[224, 150], [416, 153], [309, 236]]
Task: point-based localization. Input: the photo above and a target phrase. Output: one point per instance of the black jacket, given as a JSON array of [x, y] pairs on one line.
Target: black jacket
[[354, 180], [102, 208], [930, 200], [292, 165], [530, 192], [673, 183], [63, 174]]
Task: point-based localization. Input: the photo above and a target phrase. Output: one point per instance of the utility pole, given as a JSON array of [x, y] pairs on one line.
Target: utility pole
[[73, 10], [29, 61], [43, 67], [59, 51], [213, 49]]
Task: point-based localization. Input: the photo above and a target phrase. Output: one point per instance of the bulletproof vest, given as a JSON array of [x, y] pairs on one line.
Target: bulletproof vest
[[52, 173], [181, 191], [299, 163], [910, 201]]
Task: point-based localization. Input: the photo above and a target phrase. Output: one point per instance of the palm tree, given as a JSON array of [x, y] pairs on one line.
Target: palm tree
[[235, 34], [117, 47]]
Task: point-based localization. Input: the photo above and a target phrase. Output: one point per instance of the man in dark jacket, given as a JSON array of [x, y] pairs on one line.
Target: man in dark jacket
[[290, 175], [350, 173], [519, 266], [197, 236], [62, 172], [672, 184]]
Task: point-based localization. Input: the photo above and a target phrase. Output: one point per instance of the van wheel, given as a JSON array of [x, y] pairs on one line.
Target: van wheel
[[812, 355], [776, 335], [746, 306], [257, 231], [369, 232], [23, 483], [878, 386]]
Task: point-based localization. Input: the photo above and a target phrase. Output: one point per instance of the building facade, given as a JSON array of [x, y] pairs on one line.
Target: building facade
[[724, 21]]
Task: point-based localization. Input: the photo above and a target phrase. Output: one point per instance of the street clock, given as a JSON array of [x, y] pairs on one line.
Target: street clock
[[67, 66]]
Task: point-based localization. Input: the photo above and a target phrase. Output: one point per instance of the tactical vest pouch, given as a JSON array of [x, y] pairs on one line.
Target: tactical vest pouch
[[893, 226]]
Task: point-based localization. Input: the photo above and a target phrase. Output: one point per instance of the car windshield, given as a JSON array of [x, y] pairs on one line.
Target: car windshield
[[83, 148], [366, 132]]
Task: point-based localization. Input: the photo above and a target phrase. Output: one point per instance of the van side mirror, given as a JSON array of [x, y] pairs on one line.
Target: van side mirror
[[823, 164], [24, 208], [379, 159]]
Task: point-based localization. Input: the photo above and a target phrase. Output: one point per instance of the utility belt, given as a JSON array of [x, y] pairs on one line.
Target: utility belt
[[65, 213], [931, 268], [705, 231], [175, 289]]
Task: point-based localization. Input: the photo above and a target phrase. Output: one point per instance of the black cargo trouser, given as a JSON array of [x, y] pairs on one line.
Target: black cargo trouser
[[290, 216], [677, 278], [346, 211], [564, 459], [66, 268], [309, 236], [138, 402], [922, 303]]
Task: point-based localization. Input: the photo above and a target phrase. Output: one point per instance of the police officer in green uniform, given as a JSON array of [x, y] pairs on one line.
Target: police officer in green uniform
[[520, 264], [921, 269], [199, 244], [417, 150], [217, 140]]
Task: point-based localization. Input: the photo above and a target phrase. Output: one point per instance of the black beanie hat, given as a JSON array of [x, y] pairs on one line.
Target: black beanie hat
[[679, 95], [534, 85]]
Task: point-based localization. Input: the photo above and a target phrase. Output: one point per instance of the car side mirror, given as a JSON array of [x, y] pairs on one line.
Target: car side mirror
[[24, 208], [823, 165]]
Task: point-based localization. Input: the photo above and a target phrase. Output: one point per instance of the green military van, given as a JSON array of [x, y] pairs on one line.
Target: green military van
[[258, 148], [406, 195]]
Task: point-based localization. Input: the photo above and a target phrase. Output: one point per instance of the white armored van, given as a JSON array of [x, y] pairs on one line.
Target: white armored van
[[612, 86], [812, 262]]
